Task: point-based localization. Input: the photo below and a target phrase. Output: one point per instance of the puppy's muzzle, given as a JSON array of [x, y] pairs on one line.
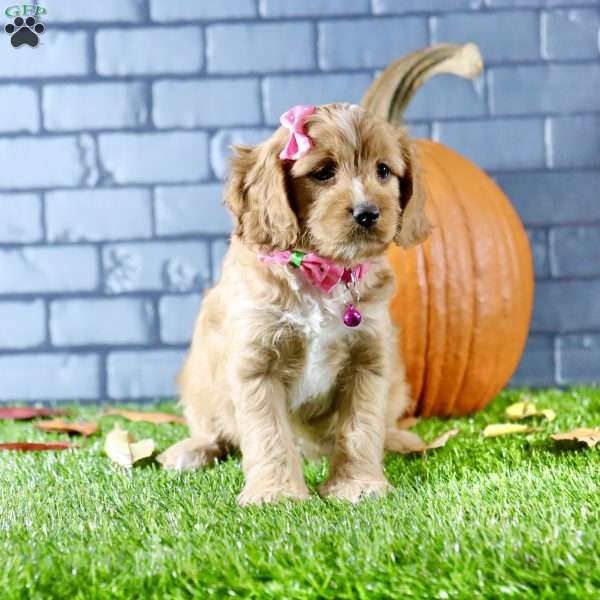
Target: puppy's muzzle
[[366, 214]]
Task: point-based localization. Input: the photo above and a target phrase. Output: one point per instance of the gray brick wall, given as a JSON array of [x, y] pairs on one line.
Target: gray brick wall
[[115, 134]]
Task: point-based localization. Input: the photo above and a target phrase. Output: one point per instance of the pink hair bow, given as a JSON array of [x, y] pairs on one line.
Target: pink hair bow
[[298, 143]]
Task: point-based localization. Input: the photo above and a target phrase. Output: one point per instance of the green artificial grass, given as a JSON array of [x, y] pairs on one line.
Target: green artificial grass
[[515, 516]]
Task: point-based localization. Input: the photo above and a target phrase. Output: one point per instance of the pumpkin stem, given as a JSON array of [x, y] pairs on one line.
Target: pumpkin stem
[[389, 95]]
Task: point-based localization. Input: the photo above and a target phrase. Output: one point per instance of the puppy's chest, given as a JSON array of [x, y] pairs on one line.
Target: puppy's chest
[[325, 342]]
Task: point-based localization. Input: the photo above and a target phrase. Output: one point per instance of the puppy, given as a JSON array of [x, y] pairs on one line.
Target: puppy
[[278, 366]]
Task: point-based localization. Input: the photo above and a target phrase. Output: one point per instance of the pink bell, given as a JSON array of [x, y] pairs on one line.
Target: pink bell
[[352, 316]]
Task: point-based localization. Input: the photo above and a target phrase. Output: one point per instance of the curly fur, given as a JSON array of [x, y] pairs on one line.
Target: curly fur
[[271, 369]]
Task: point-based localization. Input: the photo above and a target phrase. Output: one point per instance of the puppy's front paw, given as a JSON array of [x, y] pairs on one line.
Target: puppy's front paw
[[257, 494], [187, 455], [354, 490]]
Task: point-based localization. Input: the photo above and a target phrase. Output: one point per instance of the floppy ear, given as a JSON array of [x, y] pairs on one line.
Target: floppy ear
[[414, 226], [257, 195]]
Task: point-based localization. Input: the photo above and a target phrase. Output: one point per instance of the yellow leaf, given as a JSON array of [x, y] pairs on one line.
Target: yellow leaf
[[522, 410], [549, 414], [506, 429], [583, 435], [407, 442], [121, 448]]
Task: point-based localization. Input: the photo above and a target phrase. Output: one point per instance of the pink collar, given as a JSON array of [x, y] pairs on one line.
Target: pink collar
[[322, 273]]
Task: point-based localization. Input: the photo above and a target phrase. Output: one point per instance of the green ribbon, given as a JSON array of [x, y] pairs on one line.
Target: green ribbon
[[296, 258]]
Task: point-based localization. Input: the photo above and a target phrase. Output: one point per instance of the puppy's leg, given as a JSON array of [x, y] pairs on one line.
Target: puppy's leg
[[191, 453], [357, 461], [211, 431], [270, 460]]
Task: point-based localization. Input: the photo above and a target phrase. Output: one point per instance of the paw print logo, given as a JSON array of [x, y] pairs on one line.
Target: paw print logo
[[24, 31]]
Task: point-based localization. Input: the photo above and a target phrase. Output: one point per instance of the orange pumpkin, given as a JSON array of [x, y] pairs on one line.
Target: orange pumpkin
[[464, 297]]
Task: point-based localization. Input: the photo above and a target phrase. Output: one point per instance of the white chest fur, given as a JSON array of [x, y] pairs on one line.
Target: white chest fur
[[320, 321]]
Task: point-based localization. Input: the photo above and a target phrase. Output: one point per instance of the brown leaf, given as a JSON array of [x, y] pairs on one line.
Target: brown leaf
[[121, 448], [26, 413], [36, 447], [60, 426], [407, 442], [583, 435], [407, 422], [507, 428], [150, 417]]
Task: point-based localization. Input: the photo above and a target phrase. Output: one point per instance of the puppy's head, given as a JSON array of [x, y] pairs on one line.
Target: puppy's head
[[352, 194]]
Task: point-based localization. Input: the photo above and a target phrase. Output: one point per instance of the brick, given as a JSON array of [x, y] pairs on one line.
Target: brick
[[200, 11], [60, 54], [369, 43], [209, 103], [219, 249], [233, 48], [575, 251], [173, 266], [49, 377], [519, 3], [159, 157], [23, 324], [544, 89], [579, 358], [70, 107], [312, 8], [222, 141], [460, 99], [282, 92], [537, 365], [114, 321], [184, 210], [396, 7], [566, 306], [570, 34], [32, 162], [517, 144], [19, 109], [539, 247], [149, 50], [72, 11], [21, 220], [505, 36], [143, 374], [177, 317], [554, 198], [574, 141], [97, 215], [48, 269]]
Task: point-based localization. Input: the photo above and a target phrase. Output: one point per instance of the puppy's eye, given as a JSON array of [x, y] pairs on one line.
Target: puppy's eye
[[324, 173], [383, 171]]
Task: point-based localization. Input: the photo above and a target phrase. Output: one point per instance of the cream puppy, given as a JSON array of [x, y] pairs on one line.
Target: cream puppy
[[293, 351]]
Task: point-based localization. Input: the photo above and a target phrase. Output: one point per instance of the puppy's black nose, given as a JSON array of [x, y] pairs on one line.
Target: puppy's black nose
[[366, 215]]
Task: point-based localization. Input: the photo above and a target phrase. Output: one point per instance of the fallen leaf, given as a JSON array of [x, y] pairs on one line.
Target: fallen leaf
[[122, 449], [522, 410], [507, 428], [407, 442], [150, 417], [60, 426], [583, 435], [36, 447], [26, 413], [407, 422]]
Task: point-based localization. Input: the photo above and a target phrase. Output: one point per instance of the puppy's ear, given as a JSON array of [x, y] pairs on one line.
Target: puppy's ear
[[413, 226], [257, 195]]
